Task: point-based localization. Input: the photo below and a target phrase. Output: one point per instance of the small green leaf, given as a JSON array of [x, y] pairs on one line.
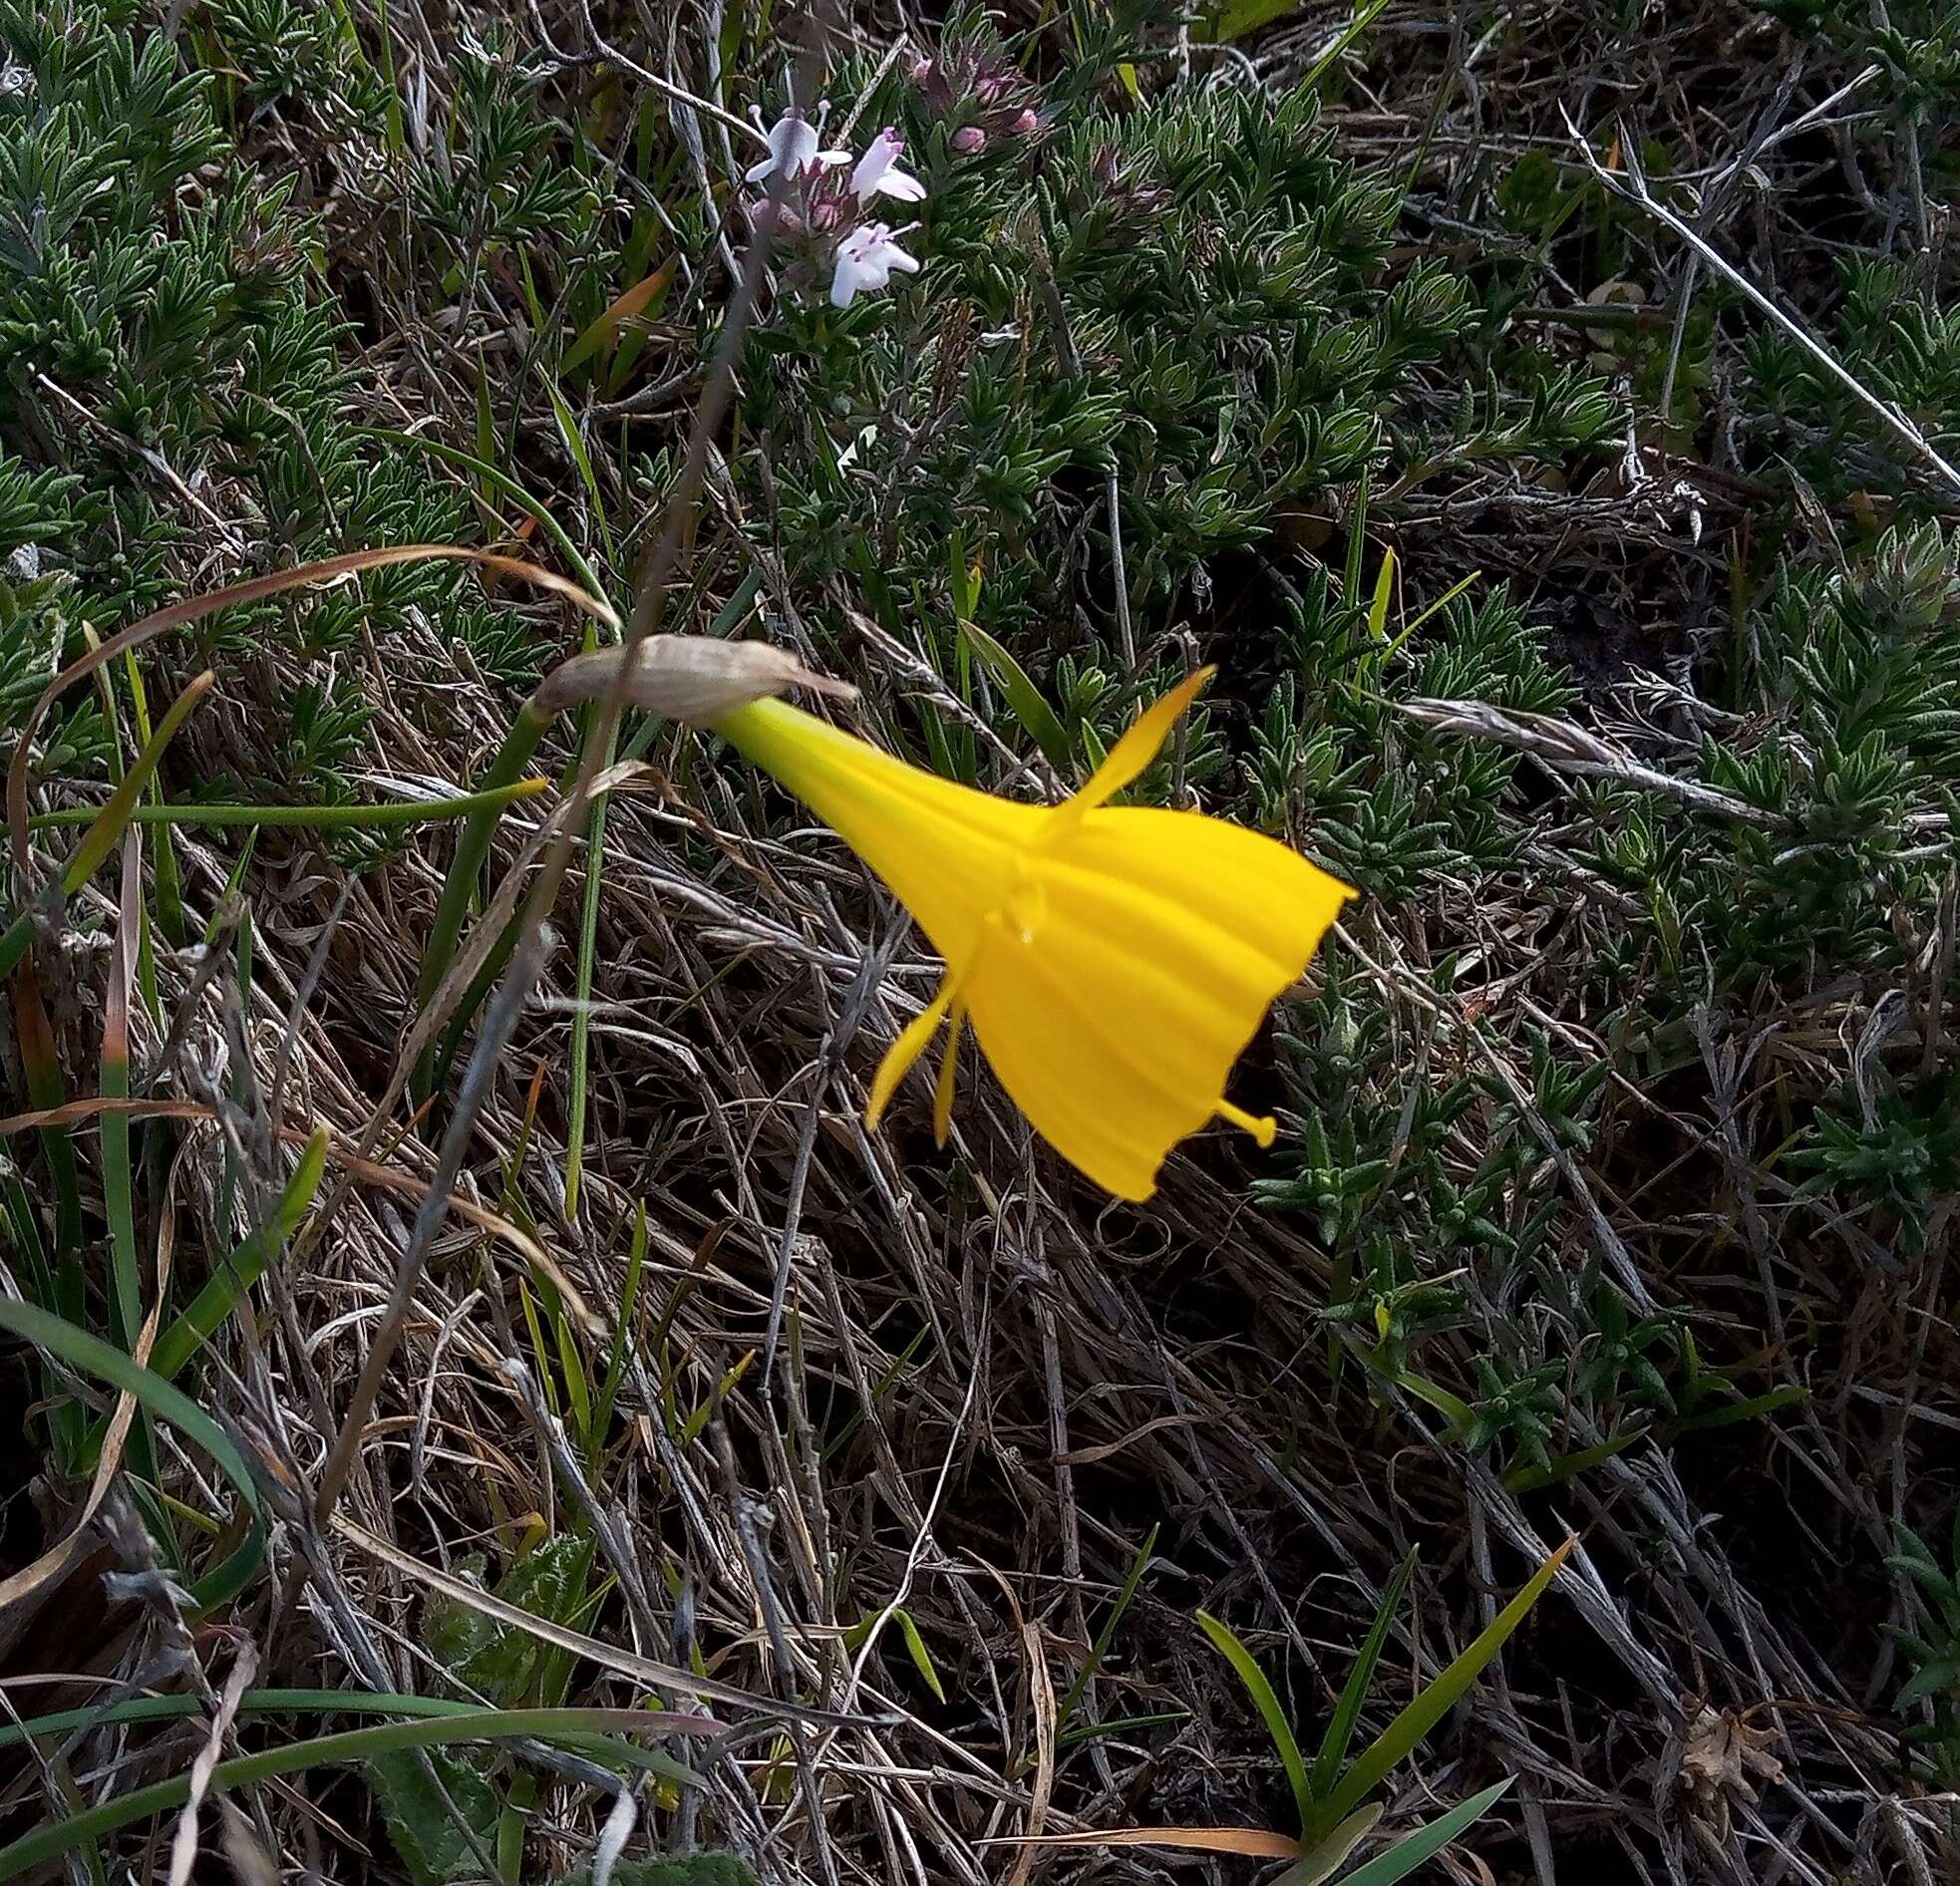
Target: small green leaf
[[1037, 717], [920, 1657], [433, 1847], [1378, 610], [1405, 1856]]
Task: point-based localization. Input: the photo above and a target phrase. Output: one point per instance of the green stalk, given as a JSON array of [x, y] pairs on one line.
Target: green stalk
[[609, 1749], [100, 839], [107, 1363], [170, 891], [389, 814], [581, 1013], [510, 489], [467, 868], [112, 1131], [118, 1197], [49, 1842], [227, 1285]]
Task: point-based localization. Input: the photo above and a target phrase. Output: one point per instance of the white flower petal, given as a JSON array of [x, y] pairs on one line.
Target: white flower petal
[[865, 260], [792, 151], [880, 156], [794, 143]]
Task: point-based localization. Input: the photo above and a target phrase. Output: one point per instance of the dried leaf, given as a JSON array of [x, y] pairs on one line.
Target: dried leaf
[[689, 678], [1723, 1755]]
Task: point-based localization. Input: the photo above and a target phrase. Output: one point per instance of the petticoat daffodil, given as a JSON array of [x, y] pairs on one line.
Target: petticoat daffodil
[[1115, 961]]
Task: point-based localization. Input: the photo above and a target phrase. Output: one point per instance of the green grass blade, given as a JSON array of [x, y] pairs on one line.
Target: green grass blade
[[1247, 16], [1444, 601], [622, 1335], [1364, 18], [1029, 705], [90, 1353], [108, 825], [1354, 1692], [226, 1286], [1453, 1408], [47, 1842], [112, 1138], [112, 1133], [1729, 1415], [1357, 542], [1403, 1735], [1269, 1706], [1424, 1843], [467, 867], [1105, 1636], [1330, 1853], [1377, 609], [392, 119], [1563, 1466], [162, 867], [921, 1656], [575, 445], [387, 814], [879, 1389], [101, 838], [1119, 1726], [508, 486]]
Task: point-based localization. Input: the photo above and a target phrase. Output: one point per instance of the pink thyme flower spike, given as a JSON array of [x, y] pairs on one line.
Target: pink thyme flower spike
[[865, 259], [969, 140], [877, 171], [792, 150]]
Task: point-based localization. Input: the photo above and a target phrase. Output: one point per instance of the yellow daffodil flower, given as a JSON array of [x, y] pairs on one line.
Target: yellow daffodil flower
[[1114, 961]]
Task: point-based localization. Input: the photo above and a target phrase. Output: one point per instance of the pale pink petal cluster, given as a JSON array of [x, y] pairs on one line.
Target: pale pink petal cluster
[[864, 254]]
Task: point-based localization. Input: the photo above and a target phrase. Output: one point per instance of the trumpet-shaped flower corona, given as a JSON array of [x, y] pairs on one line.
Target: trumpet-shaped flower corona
[[1115, 961]]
